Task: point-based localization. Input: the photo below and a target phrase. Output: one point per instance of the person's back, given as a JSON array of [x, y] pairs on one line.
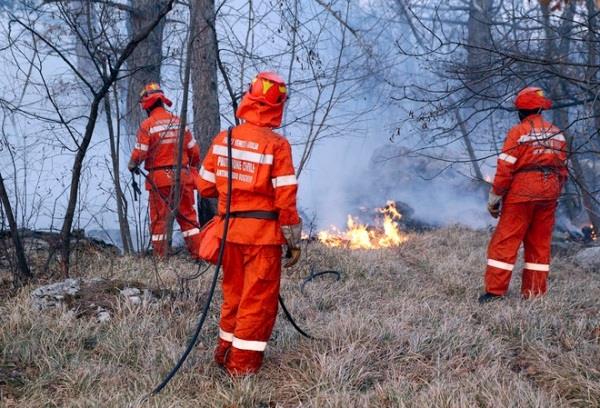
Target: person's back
[[533, 157], [262, 166]]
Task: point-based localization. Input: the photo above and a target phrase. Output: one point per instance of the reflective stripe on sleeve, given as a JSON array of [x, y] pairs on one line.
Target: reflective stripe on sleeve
[[225, 335], [249, 344], [537, 267], [159, 237], [207, 175], [244, 155], [500, 265], [190, 232], [284, 181], [191, 144], [508, 158], [142, 147]]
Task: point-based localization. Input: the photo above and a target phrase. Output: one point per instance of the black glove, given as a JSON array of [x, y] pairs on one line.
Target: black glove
[[133, 167]]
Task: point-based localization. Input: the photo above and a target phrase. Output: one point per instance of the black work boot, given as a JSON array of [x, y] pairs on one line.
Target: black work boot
[[489, 297]]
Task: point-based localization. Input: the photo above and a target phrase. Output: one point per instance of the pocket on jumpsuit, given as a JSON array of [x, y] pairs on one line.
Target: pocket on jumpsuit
[[268, 275]]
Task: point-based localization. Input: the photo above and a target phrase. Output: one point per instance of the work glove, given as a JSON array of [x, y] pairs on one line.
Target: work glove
[[133, 167], [293, 235], [494, 201]]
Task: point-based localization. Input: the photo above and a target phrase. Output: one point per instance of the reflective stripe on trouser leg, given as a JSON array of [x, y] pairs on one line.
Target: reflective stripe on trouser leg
[[504, 245], [249, 345], [227, 336]]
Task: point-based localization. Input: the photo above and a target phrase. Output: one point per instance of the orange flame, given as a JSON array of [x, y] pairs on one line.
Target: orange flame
[[360, 236]]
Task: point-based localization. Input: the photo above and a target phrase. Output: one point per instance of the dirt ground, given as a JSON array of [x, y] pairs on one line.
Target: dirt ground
[[401, 328]]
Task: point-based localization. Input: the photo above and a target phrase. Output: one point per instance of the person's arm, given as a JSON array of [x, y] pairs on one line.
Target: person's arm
[[192, 149], [563, 155], [285, 184], [507, 162], [140, 151], [206, 180]]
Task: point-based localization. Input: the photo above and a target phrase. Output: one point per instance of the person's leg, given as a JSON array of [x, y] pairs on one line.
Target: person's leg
[[504, 246], [538, 240], [188, 220], [257, 310], [233, 283], [158, 216]]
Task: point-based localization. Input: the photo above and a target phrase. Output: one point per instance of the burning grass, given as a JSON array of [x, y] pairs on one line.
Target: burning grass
[[385, 234], [402, 328]]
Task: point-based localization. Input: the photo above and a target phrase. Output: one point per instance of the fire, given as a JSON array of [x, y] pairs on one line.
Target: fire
[[360, 236]]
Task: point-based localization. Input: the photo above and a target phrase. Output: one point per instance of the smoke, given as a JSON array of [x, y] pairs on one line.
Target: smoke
[[367, 169]]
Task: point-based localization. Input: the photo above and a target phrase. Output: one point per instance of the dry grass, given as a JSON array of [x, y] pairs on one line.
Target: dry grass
[[402, 328]]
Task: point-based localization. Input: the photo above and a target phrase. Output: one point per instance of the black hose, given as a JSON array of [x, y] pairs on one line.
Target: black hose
[[313, 275], [292, 321], [213, 284]]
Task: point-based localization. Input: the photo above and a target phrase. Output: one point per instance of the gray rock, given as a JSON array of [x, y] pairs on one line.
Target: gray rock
[[52, 295], [102, 315], [588, 258], [129, 292]]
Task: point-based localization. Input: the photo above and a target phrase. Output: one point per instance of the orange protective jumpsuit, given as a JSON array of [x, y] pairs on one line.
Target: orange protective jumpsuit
[[263, 180], [157, 146], [531, 172]]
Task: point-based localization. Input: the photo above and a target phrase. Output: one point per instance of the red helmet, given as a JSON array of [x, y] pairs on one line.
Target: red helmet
[[532, 98], [269, 88], [152, 93]]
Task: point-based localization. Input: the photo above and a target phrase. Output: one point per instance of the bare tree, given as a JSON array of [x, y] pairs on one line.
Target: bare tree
[[22, 273]]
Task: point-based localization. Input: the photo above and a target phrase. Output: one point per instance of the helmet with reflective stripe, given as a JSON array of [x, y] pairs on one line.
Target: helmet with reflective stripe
[[152, 93], [269, 88], [532, 98]]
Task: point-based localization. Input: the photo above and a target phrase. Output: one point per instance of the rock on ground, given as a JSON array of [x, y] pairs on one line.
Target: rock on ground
[[589, 258]]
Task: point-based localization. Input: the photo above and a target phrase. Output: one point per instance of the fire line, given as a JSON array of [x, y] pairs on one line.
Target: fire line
[[385, 234]]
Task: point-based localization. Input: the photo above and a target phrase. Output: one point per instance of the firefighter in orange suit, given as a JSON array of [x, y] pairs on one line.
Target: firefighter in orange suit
[[531, 172], [157, 146], [263, 217]]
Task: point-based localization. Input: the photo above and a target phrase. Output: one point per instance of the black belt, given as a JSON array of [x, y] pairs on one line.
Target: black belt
[[168, 168], [541, 169], [259, 215]]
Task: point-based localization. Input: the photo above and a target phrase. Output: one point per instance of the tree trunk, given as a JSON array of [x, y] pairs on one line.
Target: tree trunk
[[144, 64], [478, 38], [470, 151], [205, 86], [22, 273], [119, 196]]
